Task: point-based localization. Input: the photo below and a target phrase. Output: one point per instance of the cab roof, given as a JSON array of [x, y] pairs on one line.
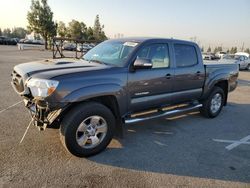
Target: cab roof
[[151, 39]]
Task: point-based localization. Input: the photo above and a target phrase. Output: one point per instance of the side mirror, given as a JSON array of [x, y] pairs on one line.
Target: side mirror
[[143, 63]]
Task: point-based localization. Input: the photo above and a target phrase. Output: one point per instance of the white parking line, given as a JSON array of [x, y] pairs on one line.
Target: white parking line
[[159, 143], [3, 110], [163, 132], [26, 131], [234, 143]]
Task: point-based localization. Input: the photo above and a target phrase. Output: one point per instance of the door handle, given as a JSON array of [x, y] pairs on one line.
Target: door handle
[[198, 73], [168, 76]]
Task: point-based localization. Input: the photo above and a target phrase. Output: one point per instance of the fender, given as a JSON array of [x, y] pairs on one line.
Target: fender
[[210, 83], [99, 90]]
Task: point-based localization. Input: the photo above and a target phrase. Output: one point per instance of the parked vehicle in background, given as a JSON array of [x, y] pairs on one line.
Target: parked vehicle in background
[[242, 60], [92, 45], [7, 41], [115, 83], [30, 41], [84, 47], [243, 53], [16, 39], [28, 44], [69, 46], [2, 40], [220, 54], [208, 56]]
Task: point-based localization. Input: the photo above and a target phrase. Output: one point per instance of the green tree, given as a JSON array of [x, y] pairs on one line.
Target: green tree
[[1, 32], [40, 19], [218, 49], [98, 32], [37, 36], [247, 50], [209, 49], [7, 32], [18, 32], [84, 30], [76, 30], [90, 34], [233, 50], [61, 29], [202, 49], [215, 50]]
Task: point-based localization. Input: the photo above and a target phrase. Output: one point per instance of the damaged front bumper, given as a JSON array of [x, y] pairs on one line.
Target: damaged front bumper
[[41, 115]]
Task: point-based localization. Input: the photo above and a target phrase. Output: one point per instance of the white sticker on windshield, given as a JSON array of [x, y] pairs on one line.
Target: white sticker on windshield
[[132, 44]]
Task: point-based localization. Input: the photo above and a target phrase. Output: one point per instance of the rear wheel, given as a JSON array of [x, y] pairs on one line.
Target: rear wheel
[[87, 129], [213, 104]]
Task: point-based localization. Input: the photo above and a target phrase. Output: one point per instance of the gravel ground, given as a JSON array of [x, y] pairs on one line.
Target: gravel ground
[[172, 152]]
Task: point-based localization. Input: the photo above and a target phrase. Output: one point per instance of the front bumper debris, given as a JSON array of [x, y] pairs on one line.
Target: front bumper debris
[[40, 113]]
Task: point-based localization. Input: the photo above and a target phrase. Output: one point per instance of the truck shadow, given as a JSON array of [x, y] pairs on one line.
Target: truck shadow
[[183, 146]]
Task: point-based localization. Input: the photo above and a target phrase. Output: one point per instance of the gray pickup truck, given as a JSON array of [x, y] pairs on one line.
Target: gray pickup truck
[[120, 82]]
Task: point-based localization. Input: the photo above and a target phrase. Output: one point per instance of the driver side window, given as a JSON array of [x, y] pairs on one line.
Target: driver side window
[[158, 54]]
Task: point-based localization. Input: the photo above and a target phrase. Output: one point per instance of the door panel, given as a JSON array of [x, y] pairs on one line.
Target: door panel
[[189, 73], [188, 83], [149, 88]]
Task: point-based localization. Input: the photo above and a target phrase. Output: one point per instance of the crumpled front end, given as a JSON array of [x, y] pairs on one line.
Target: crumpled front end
[[42, 114]]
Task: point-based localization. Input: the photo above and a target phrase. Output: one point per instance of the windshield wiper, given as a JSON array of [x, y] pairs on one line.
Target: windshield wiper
[[97, 61]]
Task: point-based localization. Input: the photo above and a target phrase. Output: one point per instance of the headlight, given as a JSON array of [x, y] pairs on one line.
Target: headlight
[[41, 87]]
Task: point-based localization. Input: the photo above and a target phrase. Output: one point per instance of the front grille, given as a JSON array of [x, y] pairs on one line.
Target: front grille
[[17, 82]]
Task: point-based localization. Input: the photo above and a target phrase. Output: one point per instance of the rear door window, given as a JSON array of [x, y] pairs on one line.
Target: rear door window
[[185, 55]]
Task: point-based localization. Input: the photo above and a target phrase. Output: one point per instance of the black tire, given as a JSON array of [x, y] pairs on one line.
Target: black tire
[[206, 108], [73, 119]]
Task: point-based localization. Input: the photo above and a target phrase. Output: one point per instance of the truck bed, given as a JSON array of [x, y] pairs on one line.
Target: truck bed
[[219, 62]]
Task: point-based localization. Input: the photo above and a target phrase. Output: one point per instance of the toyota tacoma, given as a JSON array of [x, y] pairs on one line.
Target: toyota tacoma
[[119, 82]]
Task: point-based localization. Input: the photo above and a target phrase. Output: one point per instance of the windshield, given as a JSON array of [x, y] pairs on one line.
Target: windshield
[[111, 52], [228, 57], [237, 57]]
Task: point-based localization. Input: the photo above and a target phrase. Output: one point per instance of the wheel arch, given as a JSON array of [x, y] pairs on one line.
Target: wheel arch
[[110, 101], [223, 84]]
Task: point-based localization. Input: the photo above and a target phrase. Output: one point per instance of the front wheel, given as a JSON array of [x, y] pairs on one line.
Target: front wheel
[[212, 106], [87, 129]]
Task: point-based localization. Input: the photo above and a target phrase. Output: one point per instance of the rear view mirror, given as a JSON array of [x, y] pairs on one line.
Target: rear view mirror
[[141, 63]]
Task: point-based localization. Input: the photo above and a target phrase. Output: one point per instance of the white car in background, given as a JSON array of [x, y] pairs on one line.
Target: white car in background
[[84, 47], [243, 53], [208, 56], [220, 54], [242, 60]]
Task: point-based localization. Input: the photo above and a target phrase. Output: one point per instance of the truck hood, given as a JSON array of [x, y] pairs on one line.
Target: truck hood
[[55, 67]]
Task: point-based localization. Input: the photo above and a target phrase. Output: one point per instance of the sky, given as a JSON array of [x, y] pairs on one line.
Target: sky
[[212, 22]]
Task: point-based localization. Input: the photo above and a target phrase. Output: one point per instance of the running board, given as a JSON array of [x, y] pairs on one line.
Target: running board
[[163, 114]]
